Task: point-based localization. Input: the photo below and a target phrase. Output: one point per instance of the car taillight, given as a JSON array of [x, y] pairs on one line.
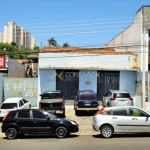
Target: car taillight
[[76, 103], [101, 111], [39, 106], [6, 116], [113, 99], [62, 105], [97, 103], [131, 98]]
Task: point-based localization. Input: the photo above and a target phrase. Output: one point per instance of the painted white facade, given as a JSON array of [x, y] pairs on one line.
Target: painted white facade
[[85, 61], [133, 37]]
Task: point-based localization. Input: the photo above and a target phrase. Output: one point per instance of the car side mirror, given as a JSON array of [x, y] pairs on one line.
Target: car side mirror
[[40, 94], [148, 115], [47, 117]]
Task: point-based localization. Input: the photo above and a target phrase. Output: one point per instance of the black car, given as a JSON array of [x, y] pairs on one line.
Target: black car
[[37, 121], [86, 100]]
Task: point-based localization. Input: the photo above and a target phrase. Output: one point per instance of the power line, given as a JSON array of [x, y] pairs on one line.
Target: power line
[[10, 53]]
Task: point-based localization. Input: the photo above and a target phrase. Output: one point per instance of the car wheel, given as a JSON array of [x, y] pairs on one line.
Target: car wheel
[[76, 112], [11, 133], [106, 131], [61, 132]]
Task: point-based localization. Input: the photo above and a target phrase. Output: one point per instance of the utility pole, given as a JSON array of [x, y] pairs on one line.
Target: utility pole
[[143, 70], [144, 61]]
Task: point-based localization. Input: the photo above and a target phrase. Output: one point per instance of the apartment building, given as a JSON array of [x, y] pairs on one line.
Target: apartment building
[[1, 37], [32, 43], [19, 35]]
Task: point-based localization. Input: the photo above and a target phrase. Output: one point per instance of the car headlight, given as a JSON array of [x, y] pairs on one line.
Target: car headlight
[[72, 122]]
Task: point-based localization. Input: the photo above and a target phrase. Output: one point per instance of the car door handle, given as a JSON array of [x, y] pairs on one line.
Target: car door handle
[[35, 121], [134, 118], [114, 117]]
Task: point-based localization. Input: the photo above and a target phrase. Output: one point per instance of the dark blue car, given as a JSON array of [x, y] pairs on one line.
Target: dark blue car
[[86, 100], [36, 121]]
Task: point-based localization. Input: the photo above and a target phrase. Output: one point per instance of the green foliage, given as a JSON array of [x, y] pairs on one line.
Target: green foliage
[[13, 52], [66, 45], [52, 42], [14, 44]]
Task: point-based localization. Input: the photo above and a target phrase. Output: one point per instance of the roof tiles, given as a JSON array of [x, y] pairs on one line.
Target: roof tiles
[[82, 50]]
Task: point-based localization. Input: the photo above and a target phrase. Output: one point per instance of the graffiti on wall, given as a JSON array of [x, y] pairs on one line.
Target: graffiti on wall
[[21, 87], [139, 85]]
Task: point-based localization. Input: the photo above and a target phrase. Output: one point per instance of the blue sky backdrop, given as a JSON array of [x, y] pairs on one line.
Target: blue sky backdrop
[[79, 22]]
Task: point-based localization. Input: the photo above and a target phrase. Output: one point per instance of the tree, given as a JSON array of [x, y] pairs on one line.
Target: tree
[[36, 47], [14, 44], [66, 45], [52, 42]]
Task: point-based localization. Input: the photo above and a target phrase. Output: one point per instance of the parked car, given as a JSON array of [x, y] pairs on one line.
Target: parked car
[[12, 104], [53, 102], [37, 121], [117, 98], [121, 119], [86, 100]]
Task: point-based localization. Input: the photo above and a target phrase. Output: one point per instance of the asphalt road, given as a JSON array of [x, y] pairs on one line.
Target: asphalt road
[[82, 142]]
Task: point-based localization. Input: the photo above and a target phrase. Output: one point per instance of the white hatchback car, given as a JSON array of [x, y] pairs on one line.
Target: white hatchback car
[[117, 98], [12, 104], [121, 119]]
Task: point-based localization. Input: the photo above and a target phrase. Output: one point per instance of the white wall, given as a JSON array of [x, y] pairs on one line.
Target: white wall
[[88, 80], [132, 37], [84, 61], [46, 81], [127, 82]]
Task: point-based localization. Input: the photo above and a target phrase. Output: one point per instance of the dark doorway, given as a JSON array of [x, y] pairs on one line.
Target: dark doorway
[[107, 80], [67, 82]]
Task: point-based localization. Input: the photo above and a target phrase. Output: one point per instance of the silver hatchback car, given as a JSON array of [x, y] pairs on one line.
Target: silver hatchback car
[[117, 98], [123, 119]]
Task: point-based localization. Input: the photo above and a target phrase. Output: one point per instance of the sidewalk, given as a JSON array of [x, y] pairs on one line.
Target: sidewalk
[[85, 121]]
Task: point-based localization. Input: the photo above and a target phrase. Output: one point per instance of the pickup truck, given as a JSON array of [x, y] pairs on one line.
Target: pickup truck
[[52, 102]]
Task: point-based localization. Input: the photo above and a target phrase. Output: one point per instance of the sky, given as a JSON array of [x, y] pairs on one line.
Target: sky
[[80, 23]]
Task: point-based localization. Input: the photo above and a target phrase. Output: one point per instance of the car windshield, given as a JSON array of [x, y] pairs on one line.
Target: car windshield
[[51, 96], [87, 97], [9, 106], [121, 95]]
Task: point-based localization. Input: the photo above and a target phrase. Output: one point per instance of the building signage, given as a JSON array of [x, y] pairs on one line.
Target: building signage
[[2, 61]]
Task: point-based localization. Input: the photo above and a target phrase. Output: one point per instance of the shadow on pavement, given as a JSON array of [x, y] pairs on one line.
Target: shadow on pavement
[[35, 136], [123, 135], [86, 113]]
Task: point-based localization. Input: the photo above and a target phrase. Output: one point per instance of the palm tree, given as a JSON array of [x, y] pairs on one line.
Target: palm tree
[[52, 42], [66, 45]]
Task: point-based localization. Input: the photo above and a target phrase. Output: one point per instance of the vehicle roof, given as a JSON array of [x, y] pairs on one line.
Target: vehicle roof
[[57, 91], [119, 91], [28, 109], [12, 100], [82, 91], [121, 107]]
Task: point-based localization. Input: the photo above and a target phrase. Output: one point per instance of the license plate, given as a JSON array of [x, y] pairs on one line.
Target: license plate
[[59, 112], [122, 101], [87, 104]]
